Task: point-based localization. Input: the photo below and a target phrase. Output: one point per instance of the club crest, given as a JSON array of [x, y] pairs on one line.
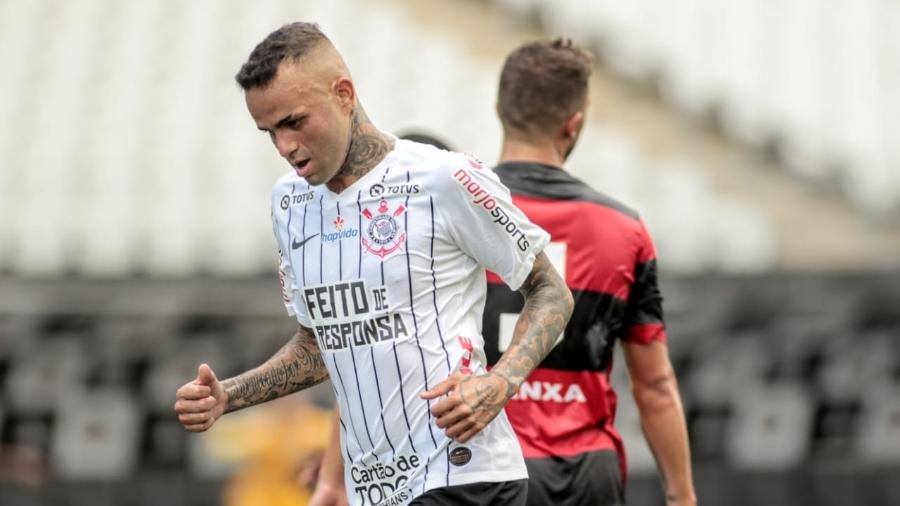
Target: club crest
[[384, 236]]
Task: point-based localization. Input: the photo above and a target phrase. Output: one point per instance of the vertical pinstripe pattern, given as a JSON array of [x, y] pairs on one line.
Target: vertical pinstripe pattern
[[333, 359], [437, 320], [340, 248], [288, 245], [303, 252], [348, 415], [437, 314], [321, 242], [387, 435], [362, 405], [412, 308], [412, 444], [344, 438]]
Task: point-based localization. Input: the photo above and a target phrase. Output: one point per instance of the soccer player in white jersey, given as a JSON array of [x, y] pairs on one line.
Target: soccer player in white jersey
[[384, 244]]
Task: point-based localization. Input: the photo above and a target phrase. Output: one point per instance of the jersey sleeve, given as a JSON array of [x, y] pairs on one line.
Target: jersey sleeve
[[478, 211], [290, 290], [643, 312]]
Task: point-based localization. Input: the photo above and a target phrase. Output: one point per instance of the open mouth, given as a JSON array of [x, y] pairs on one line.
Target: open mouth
[[299, 165]]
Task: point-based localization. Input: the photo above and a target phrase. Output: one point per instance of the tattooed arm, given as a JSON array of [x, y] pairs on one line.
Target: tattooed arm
[[474, 401], [296, 366]]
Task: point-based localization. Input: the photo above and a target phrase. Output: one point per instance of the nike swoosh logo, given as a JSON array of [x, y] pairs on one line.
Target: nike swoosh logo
[[295, 244]]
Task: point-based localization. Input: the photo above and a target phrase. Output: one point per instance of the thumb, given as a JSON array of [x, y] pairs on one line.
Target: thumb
[[206, 376], [441, 388]]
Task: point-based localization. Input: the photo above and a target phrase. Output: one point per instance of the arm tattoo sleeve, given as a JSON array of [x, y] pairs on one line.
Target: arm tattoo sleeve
[[548, 307], [296, 366]]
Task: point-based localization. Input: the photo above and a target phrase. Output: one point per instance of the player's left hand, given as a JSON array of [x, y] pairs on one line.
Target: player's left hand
[[470, 404]]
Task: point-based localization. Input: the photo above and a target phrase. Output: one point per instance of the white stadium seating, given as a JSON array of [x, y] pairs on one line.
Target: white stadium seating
[[128, 149]]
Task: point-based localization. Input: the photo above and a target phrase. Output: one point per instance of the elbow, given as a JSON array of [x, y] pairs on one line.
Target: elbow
[[656, 393]]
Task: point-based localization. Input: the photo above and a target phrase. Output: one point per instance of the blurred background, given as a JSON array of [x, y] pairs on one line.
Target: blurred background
[[760, 139]]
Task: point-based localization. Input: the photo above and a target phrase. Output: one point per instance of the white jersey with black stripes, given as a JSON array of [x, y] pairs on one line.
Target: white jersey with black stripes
[[390, 275]]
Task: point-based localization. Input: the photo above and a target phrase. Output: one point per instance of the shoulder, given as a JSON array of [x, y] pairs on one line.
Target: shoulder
[[610, 215], [551, 183], [429, 164], [288, 183], [600, 199], [425, 157]]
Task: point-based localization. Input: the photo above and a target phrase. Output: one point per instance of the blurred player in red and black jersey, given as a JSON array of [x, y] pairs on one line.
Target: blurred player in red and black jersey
[[565, 411]]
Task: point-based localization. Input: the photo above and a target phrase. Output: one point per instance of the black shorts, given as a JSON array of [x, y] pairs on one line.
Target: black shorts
[[503, 493], [591, 478]]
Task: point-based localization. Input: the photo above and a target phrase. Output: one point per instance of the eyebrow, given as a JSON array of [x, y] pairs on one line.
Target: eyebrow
[[283, 121]]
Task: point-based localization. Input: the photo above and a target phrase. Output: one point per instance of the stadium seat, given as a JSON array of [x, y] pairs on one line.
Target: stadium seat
[[677, 207], [771, 427], [862, 105], [30, 432], [687, 61], [566, 17], [523, 8], [96, 436], [850, 368], [166, 442], [878, 440], [169, 487], [730, 366], [743, 238], [741, 86], [796, 97], [38, 383]]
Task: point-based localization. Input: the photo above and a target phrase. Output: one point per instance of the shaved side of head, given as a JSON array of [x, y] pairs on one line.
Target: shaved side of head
[[301, 43]]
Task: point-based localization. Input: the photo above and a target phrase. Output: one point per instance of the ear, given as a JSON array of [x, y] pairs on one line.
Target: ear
[[572, 126], [345, 92]]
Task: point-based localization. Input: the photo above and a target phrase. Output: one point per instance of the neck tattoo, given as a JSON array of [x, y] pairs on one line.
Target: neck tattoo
[[368, 146]]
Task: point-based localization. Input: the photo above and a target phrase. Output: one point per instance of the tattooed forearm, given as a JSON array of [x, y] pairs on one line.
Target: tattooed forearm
[[368, 146], [548, 306], [296, 366]]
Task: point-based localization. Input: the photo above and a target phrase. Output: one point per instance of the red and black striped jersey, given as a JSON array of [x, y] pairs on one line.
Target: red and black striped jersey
[[567, 406]]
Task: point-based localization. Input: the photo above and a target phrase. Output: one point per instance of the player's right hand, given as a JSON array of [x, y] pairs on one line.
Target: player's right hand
[[200, 402]]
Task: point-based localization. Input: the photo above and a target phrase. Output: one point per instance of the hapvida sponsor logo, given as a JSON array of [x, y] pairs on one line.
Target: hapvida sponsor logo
[[338, 224], [485, 199], [343, 234]]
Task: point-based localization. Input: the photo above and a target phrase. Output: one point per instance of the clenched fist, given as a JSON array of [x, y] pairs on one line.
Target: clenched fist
[[201, 402]]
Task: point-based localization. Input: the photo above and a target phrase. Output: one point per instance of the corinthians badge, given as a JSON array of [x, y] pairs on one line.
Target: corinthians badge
[[383, 238]]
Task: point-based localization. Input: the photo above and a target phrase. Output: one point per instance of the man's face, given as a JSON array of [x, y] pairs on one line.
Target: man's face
[[307, 116]]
